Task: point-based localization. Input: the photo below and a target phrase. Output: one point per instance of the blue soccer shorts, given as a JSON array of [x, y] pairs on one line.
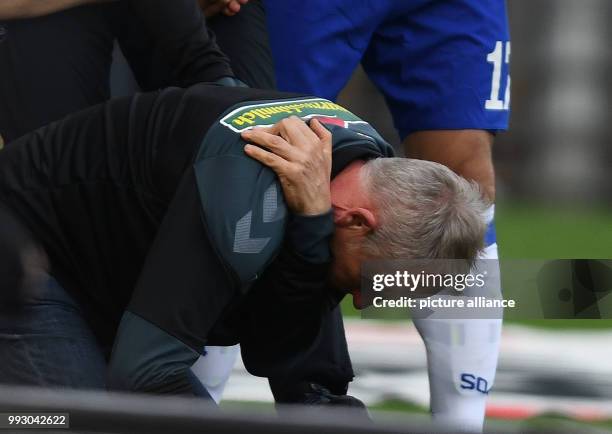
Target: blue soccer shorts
[[440, 64]]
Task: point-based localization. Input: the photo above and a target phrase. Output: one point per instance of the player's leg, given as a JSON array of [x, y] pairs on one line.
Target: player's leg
[[317, 44], [443, 75], [462, 356], [461, 373]]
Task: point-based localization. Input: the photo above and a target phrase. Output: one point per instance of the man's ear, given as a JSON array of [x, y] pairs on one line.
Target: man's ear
[[360, 219]]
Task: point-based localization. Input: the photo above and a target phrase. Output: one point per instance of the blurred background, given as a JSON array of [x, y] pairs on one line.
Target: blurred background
[[554, 193], [554, 200]]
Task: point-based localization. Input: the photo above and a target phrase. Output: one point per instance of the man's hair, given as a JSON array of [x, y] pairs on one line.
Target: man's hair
[[425, 211]]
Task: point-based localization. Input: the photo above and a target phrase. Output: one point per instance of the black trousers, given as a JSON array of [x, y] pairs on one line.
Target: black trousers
[[58, 64], [244, 39]]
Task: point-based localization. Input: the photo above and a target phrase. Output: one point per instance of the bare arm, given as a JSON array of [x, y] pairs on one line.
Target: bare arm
[[466, 152], [18, 9]]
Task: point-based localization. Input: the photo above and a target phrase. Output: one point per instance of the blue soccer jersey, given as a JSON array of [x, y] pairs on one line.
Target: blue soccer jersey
[[440, 64]]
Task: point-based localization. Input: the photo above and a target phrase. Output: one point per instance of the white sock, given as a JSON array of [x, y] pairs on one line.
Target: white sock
[[215, 367], [462, 359]]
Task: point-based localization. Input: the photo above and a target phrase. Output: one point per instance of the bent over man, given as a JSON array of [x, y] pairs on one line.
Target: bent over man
[[165, 233]]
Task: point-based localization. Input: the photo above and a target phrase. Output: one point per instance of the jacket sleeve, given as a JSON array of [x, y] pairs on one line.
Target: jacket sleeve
[[147, 359], [303, 263], [284, 310]]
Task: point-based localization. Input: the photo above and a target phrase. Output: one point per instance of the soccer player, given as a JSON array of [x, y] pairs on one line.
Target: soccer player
[[443, 69], [170, 223]]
